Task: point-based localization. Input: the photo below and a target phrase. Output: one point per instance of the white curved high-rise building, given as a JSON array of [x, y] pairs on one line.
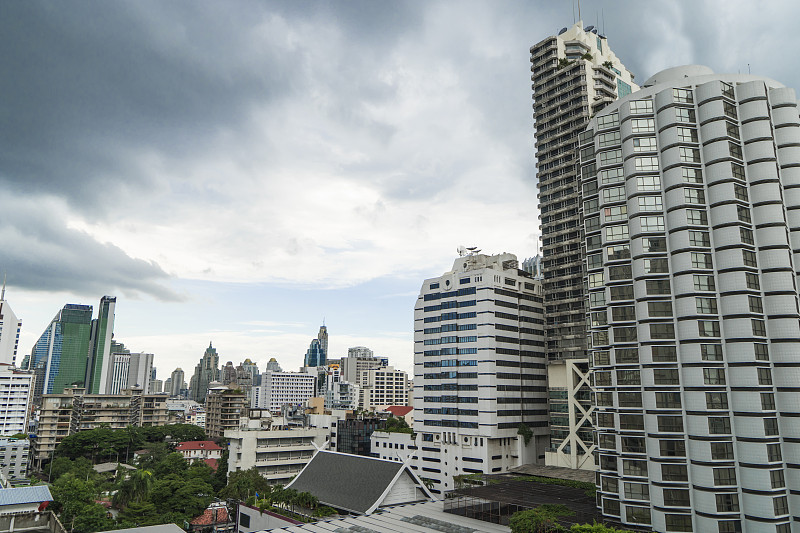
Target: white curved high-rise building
[[691, 211]]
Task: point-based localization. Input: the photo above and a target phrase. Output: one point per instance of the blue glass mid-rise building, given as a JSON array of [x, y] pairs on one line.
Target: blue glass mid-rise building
[[315, 355]]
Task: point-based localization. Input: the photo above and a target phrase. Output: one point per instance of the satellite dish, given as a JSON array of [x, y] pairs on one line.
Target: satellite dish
[[588, 28], [462, 251], [562, 31]]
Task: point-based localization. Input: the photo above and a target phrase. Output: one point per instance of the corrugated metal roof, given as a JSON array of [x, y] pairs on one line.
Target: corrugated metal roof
[[21, 495]]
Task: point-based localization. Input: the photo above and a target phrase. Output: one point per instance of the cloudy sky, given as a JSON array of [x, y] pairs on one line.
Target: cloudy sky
[[236, 172]]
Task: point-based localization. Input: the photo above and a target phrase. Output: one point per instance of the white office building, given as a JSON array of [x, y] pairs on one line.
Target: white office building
[[479, 373], [10, 326], [281, 388], [16, 391], [129, 370], [692, 224], [359, 359], [381, 387]]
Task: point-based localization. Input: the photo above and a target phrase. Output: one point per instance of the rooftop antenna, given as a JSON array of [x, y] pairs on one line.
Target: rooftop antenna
[[573, 11], [579, 11], [3, 294], [603, 18], [748, 71]]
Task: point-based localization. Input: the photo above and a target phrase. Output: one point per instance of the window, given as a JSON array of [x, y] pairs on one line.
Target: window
[[761, 351], [727, 503], [632, 467], [668, 400], [737, 171], [722, 451], [694, 196], [625, 334], [740, 192], [672, 448], [749, 258], [662, 331], [689, 155], [706, 306], [596, 280], [633, 445], [599, 318], [665, 376], [730, 110], [610, 484], [617, 233], [597, 299], [727, 89], [648, 183], [687, 135], [676, 497], [655, 244], [746, 235], [703, 282], [592, 224], [701, 260], [781, 505], [590, 188], [611, 507], [730, 526], [684, 115], [670, 424], [659, 308], [716, 400], [637, 515], [641, 106], [735, 149], [682, 96], [620, 251], [632, 422], [768, 401], [650, 203], [614, 194], [673, 472], [643, 125], [711, 352], [714, 376], [645, 163], [708, 328], [656, 266], [610, 157], [764, 376], [699, 238], [606, 121], [593, 242], [776, 479], [628, 377], [692, 175], [616, 212], [611, 175], [657, 286], [616, 273], [591, 206], [630, 399], [602, 378], [664, 354], [752, 281], [608, 139], [696, 217], [644, 144], [759, 328], [626, 355], [774, 453], [652, 223], [719, 425], [623, 313], [594, 261], [725, 476]]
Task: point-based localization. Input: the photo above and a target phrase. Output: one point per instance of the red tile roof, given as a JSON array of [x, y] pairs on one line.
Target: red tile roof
[[207, 518], [197, 445], [399, 410], [213, 463]]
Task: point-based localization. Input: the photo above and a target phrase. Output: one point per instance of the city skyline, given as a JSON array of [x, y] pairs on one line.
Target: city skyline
[[222, 204]]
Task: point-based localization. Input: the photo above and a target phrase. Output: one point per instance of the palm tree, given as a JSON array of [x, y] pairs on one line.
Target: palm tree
[[142, 482]]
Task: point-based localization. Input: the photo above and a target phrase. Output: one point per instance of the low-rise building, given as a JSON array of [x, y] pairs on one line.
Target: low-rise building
[[277, 454], [14, 459], [64, 414], [382, 386], [199, 450]]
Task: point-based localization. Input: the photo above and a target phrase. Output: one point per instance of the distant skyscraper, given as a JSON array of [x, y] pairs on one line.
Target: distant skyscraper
[[273, 365], [206, 371], [228, 374], [692, 221], [10, 327], [59, 357], [322, 336], [315, 356], [177, 381], [97, 369]]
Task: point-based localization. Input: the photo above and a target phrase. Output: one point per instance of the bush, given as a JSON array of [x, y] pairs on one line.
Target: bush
[[543, 519]]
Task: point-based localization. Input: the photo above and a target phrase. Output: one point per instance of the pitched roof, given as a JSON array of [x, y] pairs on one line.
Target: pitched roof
[[399, 410], [213, 463], [22, 495], [207, 518], [197, 445], [351, 482]]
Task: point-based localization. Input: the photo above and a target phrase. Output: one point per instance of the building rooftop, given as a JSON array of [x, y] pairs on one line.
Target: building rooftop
[[163, 528], [214, 515], [399, 410], [23, 495], [427, 517], [557, 472], [110, 467], [197, 445], [354, 483]]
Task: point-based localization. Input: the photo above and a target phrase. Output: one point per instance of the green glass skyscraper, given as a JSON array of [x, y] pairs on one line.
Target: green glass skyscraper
[[97, 368]]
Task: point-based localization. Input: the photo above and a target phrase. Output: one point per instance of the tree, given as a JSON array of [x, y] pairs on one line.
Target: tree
[[137, 514], [542, 519], [174, 463], [71, 494], [91, 518], [596, 528], [221, 475], [397, 425], [245, 483]]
